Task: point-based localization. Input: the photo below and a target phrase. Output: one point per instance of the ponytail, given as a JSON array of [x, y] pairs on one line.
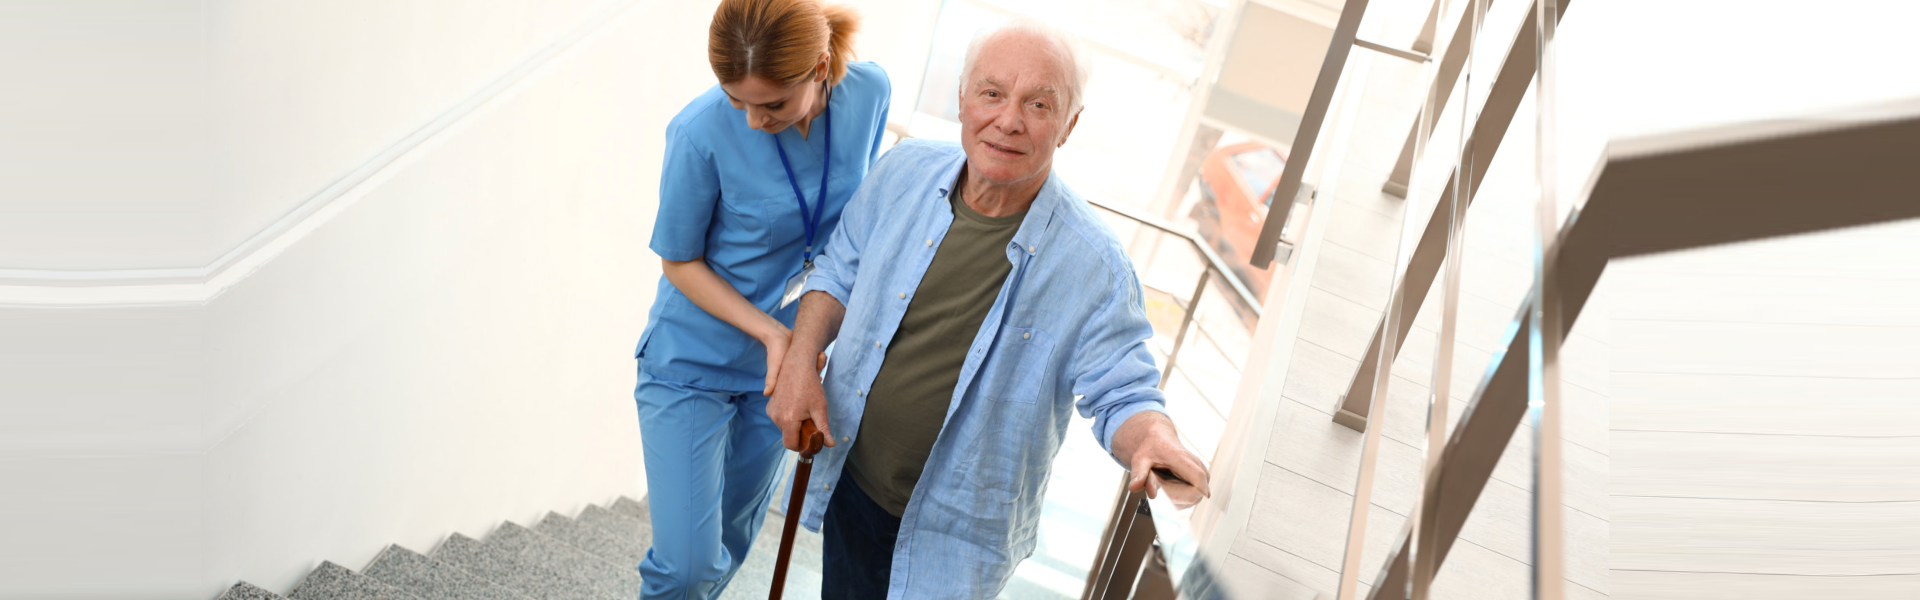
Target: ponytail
[[842, 23], [780, 40]]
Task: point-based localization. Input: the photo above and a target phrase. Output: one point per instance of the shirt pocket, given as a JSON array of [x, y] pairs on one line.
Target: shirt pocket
[[1020, 366]]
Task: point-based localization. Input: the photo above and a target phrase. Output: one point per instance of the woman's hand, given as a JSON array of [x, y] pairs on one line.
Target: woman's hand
[[775, 338], [712, 294]]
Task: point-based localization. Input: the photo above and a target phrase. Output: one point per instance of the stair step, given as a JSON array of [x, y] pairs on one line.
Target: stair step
[[334, 582], [756, 572], [247, 591], [613, 581], [618, 549], [639, 530], [630, 507], [506, 569], [430, 579]]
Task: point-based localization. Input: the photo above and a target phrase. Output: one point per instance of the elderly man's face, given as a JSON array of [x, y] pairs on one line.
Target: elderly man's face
[[1013, 110]]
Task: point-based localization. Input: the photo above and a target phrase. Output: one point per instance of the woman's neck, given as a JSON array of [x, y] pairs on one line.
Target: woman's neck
[[826, 93]]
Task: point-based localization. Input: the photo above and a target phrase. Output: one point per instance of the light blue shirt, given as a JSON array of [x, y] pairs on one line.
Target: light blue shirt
[[1068, 323], [724, 196]]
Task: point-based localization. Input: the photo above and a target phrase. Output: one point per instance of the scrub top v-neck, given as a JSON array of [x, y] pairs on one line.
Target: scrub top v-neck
[[724, 196]]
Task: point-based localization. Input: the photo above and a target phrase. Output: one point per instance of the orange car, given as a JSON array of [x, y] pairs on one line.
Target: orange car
[[1236, 185]]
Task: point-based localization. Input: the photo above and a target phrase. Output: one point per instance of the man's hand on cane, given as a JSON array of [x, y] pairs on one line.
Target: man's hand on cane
[[797, 396]]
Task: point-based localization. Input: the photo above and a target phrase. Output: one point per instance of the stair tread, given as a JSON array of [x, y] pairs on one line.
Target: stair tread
[[611, 580], [330, 581], [640, 530], [630, 507], [247, 591], [622, 550], [508, 570], [431, 579]]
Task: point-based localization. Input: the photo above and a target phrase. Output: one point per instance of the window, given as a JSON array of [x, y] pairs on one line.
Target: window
[[1259, 169]]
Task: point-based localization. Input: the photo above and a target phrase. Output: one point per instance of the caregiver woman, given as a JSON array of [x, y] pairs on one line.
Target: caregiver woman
[[757, 170]]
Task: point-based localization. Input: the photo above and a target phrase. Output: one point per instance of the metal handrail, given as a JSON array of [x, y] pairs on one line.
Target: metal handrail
[[1123, 545], [1213, 260]]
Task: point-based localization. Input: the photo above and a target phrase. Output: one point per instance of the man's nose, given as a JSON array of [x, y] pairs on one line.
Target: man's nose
[[1010, 121]]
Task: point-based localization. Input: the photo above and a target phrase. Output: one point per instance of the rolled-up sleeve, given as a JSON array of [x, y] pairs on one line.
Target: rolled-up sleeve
[[1113, 371], [689, 192]]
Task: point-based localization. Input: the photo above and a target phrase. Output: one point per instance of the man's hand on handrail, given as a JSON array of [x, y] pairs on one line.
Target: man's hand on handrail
[[1150, 447]]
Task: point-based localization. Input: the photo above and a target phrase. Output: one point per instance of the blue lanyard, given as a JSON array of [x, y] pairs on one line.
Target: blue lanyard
[[810, 218]]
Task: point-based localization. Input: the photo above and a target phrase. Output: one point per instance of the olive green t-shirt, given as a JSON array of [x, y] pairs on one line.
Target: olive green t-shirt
[[908, 402]]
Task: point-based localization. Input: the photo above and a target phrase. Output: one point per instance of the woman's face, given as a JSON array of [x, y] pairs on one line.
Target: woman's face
[[772, 107]]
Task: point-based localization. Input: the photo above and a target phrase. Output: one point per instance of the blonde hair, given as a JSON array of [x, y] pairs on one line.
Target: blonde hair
[[780, 40]]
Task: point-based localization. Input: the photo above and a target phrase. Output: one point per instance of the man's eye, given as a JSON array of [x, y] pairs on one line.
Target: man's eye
[[992, 94], [1040, 105]]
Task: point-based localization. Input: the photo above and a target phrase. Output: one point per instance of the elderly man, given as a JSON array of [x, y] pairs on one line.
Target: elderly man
[[974, 297]]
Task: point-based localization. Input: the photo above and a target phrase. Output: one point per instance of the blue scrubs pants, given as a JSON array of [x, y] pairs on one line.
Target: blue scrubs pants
[[711, 459]]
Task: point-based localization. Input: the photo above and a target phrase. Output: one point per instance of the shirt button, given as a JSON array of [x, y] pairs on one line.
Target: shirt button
[[826, 486], [903, 295], [929, 242], [1030, 249], [876, 344], [843, 438], [1026, 336], [862, 392]]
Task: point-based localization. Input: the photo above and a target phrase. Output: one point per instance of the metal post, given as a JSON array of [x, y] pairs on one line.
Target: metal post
[[1121, 548], [1370, 447], [1130, 553], [1369, 457], [1543, 398], [1114, 542], [1439, 89], [1331, 67], [1180, 339], [1424, 560], [1423, 43]]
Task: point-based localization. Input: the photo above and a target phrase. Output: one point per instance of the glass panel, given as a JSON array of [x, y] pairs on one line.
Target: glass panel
[[1260, 170]]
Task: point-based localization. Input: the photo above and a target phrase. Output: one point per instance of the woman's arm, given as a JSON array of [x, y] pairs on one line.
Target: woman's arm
[[712, 294]]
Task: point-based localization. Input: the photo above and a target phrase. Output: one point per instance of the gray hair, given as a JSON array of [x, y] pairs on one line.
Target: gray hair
[[1076, 56]]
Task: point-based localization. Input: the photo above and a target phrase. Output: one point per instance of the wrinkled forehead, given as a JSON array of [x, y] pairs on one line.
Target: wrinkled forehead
[[1022, 61]]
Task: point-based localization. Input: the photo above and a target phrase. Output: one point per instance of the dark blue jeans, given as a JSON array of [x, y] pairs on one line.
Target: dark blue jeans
[[858, 536]]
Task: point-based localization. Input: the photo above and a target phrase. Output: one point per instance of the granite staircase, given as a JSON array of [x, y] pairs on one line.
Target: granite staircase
[[589, 557]]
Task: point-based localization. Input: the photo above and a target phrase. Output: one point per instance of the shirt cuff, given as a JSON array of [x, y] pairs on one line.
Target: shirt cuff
[[818, 283], [1119, 417]]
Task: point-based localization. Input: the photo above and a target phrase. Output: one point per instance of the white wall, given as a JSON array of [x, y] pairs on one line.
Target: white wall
[[103, 122], [440, 346]]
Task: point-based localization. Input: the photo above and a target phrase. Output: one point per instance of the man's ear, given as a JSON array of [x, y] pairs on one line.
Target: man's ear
[[1075, 120]]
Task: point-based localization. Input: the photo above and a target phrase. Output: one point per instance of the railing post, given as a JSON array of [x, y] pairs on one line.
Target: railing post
[[1186, 321], [1543, 398], [1123, 544], [1439, 88], [1370, 445], [1113, 542], [1423, 530]]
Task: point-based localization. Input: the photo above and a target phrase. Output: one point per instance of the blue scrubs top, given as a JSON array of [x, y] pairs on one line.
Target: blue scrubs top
[[724, 196]]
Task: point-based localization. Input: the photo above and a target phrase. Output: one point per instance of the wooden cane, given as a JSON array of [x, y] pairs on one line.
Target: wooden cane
[[813, 442]]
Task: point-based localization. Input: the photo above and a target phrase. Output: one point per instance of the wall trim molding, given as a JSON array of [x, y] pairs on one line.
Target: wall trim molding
[[175, 286]]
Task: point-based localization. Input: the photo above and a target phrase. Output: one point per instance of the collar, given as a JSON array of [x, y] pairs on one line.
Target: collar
[[1040, 216]]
